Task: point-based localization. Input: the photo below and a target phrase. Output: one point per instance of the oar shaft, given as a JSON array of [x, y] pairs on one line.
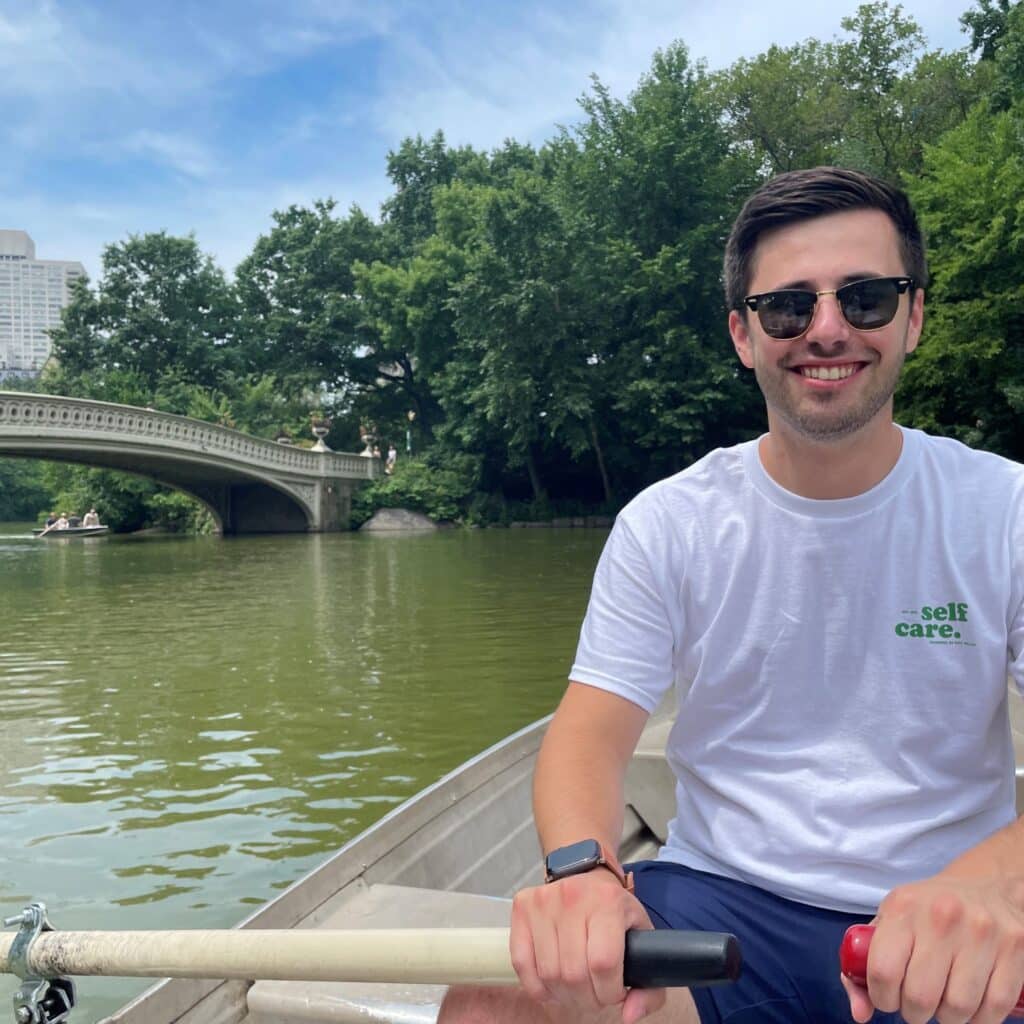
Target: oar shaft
[[441, 956]]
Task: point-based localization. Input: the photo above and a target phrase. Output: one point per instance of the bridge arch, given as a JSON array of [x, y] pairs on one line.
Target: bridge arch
[[251, 485]]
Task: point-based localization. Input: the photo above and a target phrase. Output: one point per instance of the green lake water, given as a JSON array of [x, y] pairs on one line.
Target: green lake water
[[187, 725]]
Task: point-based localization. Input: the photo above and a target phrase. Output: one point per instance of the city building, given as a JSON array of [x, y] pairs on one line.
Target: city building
[[32, 294]]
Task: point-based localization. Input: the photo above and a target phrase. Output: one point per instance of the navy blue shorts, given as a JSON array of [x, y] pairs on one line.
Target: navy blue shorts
[[790, 950]]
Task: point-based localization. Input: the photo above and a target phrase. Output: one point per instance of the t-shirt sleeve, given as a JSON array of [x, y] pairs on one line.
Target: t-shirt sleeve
[[626, 643]]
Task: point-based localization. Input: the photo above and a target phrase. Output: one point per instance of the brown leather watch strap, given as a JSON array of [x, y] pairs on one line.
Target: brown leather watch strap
[[610, 861]]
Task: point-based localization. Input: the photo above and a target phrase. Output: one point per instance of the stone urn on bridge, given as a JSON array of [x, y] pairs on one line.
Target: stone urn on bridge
[[321, 427]]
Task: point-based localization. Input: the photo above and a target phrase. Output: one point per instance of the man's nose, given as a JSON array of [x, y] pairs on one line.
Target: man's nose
[[828, 324]]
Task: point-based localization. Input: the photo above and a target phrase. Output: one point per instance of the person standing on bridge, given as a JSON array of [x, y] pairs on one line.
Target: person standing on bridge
[[837, 605]]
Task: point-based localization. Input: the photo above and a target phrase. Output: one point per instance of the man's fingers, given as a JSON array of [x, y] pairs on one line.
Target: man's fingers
[[966, 985], [524, 955], [861, 1007], [606, 944], [640, 1002], [924, 984], [1003, 990], [888, 960], [575, 983]]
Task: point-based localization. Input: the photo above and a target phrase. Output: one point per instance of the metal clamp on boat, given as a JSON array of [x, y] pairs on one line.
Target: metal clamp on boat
[[39, 1000]]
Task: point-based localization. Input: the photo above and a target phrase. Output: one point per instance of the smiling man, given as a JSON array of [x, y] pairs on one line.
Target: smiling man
[[837, 606]]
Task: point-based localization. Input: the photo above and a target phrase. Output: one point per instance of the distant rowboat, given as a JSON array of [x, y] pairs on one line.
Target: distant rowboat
[[71, 531]]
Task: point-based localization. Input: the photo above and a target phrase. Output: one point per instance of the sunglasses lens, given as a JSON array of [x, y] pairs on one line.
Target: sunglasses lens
[[868, 305], [785, 314]]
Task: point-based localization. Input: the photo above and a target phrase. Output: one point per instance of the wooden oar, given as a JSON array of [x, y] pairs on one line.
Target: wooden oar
[[440, 956]]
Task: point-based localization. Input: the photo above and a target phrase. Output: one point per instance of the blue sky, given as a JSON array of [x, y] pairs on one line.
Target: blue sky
[[123, 117]]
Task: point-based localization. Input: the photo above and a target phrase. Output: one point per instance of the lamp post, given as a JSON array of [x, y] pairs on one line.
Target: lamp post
[[408, 432]]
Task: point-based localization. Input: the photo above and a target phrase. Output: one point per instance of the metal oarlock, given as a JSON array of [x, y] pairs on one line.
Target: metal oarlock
[[39, 1000]]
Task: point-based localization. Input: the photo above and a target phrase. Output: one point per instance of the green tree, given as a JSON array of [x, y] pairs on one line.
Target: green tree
[[161, 323], [967, 377], [1004, 40], [650, 186], [416, 169], [301, 312], [987, 24], [160, 306], [785, 105], [410, 330], [23, 491], [518, 329], [871, 98]]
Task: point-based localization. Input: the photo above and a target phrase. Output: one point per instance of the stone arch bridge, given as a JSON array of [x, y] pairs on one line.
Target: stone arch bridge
[[249, 484]]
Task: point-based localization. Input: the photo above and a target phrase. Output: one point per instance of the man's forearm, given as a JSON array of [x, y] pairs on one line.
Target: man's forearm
[[577, 794], [1001, 855], [581, 768]]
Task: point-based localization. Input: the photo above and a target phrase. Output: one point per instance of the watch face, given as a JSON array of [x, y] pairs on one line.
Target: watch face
[[574, 859]]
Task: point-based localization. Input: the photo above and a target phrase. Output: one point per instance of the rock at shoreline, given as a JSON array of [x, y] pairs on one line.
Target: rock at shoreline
[[393, 519]]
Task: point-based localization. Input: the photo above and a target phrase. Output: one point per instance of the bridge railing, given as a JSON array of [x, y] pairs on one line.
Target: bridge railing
[[58, 416]]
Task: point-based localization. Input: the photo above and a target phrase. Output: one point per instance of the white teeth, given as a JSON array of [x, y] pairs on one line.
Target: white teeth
[[828, 372]]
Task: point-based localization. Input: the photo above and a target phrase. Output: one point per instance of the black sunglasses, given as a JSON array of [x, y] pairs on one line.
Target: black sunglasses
[[867, 306]]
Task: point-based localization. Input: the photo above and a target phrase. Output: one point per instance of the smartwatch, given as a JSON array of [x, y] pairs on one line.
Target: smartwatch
[[578, 858]]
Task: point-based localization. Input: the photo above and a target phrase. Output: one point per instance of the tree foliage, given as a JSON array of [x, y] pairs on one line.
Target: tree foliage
[[967, 378]]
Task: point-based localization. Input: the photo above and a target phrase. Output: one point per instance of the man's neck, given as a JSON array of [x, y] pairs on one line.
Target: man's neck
[[831, 469]]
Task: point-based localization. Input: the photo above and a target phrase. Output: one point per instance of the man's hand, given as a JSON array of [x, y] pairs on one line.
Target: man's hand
[[568, 941], [950, 948]]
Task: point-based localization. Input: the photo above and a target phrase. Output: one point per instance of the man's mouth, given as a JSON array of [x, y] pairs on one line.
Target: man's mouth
[[840, 372]]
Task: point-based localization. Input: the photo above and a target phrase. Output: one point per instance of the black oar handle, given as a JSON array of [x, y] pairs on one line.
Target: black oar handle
[[678, 959]]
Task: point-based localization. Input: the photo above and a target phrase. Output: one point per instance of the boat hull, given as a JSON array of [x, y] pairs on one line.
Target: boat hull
[[72, 533]]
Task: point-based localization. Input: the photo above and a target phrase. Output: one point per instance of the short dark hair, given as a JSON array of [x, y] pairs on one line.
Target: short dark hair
[[800, 195]]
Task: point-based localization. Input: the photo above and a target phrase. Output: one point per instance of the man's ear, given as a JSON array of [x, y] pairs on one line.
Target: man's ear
[[741, 338], [916, 322]]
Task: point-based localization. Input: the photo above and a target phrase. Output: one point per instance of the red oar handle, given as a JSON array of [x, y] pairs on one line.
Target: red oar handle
[[853, 959]]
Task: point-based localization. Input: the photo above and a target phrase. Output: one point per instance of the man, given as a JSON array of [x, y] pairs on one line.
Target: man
[[838, 605]]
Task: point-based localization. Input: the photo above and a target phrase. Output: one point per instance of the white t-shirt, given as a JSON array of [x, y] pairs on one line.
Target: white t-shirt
[[840, 666]]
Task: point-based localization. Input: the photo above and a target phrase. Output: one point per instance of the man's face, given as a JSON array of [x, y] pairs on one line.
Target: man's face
[[826, 253]]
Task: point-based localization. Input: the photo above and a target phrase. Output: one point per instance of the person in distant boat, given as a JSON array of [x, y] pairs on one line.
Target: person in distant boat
[[51, 520], [74, 522], [91, 518], [837, 606], [62, 522]]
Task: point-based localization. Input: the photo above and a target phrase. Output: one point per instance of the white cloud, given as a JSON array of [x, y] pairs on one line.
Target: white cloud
[[177, 151]]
